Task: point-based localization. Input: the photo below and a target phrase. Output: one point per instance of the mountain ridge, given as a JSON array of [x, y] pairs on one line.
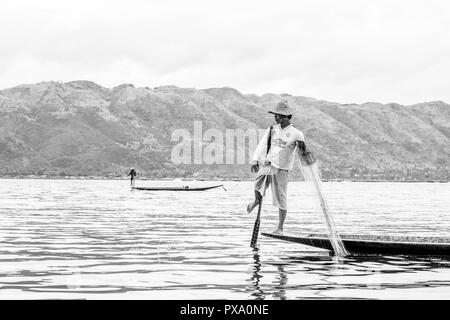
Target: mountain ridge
[[83, 129]]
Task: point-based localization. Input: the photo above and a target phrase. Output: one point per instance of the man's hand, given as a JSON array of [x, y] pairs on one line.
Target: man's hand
[[305, 154], [255, 168], [309, 157]]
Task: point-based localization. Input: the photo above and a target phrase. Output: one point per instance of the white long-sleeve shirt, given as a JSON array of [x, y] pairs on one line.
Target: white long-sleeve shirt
[[282, 147]]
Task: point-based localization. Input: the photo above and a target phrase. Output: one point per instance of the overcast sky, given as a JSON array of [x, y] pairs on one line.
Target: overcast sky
[[344, 51]]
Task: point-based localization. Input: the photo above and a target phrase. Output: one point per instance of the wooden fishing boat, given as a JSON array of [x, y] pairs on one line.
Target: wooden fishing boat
[[184, 188], [360, 244]]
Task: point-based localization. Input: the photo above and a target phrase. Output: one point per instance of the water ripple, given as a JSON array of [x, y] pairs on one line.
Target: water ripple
[[92, 239]]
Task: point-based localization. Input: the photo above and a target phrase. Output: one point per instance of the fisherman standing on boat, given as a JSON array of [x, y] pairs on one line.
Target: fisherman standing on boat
[[274, 157], [132, 175]]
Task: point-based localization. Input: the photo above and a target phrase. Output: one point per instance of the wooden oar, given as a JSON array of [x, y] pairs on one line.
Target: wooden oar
[[258, 217], [256, 226]]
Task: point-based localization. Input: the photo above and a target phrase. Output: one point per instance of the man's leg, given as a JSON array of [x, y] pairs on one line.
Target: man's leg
[[261, 184], [279, 196], [255, 202], [282, 216]]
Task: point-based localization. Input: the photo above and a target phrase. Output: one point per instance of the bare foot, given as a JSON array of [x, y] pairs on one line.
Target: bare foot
[[251, 206], [278, 232]]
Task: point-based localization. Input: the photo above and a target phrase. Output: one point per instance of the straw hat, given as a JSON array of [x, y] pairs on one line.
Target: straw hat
[[283, 108]]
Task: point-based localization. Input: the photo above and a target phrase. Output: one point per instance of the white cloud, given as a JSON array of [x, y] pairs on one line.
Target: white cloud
[[345, 51]]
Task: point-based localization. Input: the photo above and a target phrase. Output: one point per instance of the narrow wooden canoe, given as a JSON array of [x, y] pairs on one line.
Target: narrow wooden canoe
[[176, 188], [360, 244]]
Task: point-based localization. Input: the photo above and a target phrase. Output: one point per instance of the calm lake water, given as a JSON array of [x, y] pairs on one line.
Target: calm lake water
[[96, 239]]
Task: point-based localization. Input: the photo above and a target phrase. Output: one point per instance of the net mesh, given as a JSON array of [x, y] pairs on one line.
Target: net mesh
[[311, 173]]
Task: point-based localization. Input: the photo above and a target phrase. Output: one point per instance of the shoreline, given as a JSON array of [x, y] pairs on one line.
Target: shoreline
[[31, 177]]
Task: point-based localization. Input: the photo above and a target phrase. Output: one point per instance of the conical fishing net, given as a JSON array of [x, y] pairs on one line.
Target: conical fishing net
[[311, 173]]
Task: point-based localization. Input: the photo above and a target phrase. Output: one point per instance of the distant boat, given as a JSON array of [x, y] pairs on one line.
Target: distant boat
[[184, 188], [360, 244]]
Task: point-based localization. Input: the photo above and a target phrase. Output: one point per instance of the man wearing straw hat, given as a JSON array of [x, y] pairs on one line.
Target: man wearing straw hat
[[274, 157]]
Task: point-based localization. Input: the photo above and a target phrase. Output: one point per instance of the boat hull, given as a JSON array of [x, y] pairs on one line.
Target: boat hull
[[175, 188], [357, 244]]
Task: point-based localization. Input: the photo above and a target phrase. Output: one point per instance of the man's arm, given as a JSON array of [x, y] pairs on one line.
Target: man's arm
[[301, 145], [305, 154], [260, 152]]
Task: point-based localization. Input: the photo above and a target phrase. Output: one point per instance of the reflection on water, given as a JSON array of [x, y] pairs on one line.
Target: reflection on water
[[256, 275], [281, 282], [96, 239], [374, 277]]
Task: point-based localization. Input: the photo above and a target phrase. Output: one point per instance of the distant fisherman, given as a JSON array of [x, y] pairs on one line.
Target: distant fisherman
[[132, 174], [274, 157]]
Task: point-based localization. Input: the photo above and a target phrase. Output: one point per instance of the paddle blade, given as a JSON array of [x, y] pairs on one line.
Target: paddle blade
[[256, 226], [255, 233]]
